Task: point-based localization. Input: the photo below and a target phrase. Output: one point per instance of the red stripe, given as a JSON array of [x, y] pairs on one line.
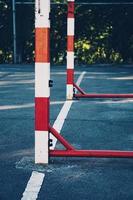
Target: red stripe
[[42, 45], [70, 76], [70, 9], [41, 114], [70, 43]]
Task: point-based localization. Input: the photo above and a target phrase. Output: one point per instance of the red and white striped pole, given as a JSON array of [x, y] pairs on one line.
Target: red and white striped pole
[[70, 49], [42, 77]]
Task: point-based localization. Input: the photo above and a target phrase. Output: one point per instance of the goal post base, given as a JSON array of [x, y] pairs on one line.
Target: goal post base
[[91, 153], [70, 151], [83, 94]]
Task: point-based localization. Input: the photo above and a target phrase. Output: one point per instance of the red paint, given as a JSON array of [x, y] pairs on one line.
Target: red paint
[[70, 9], [103, 95], [42, 45], [78, 88], [60, 138], [91, 153], [70, 43], [82, 94], [41, 114], [70, 76], [71, 152]]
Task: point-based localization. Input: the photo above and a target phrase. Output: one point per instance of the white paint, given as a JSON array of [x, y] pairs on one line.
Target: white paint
[[42, 77], [80, 79], [11, 107], [121, 78], [70, 60], [42, 17], [27, 105], [33, 187], [42, 24], [70, 26], [41, 147], [69, 91], [116, 102], [58, 124]]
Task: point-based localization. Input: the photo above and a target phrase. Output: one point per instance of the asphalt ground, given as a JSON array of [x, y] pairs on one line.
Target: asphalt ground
[[90, 124]]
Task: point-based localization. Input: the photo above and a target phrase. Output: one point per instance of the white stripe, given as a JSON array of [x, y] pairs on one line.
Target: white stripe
[[121, 78], [33, 186], [41, 147], [79, 80], [58, 124], [35, 182], [27, 105], [42, 23], [70, 26], [42, 77], [70, 1], [70, 60], [69, 91], [42, 14]]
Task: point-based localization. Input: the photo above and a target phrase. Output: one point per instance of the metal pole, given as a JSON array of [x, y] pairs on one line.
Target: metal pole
[[42, 80], [14, 32], [70, 49]]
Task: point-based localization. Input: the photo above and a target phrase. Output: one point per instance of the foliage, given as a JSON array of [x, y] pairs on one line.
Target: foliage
[[104, 34]]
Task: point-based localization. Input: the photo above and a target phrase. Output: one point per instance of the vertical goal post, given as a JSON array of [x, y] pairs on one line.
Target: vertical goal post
[[71, 85], [42, 97]]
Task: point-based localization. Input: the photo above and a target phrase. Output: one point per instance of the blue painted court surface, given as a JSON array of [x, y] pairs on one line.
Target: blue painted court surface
[[90, 124]]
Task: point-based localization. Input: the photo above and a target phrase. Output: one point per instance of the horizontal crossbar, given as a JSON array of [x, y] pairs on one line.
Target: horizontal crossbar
[[103, 95], [91, 153], [83, 94], [72, 152]]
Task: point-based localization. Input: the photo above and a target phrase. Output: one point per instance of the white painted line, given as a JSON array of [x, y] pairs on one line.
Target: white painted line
[[79, 80], [33, 186], [28, 105], [121, 78], [123, 101], [35, 182]]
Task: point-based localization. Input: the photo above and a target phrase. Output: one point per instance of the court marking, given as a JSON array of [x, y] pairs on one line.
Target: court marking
[[28, 105], [36, 180]]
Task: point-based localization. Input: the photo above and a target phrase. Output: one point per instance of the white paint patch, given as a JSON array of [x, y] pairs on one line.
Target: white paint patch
[[42, 17], [13, 82], [116, 102], [70, 60], [80, 79], [19, 74], [69, 91], [122, 78], [33, 187], [42, 77], [11, 107], [41, 147], [70, 26]]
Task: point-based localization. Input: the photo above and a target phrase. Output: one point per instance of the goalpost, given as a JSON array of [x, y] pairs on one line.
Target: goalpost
[[71, 85], [42, 96]]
